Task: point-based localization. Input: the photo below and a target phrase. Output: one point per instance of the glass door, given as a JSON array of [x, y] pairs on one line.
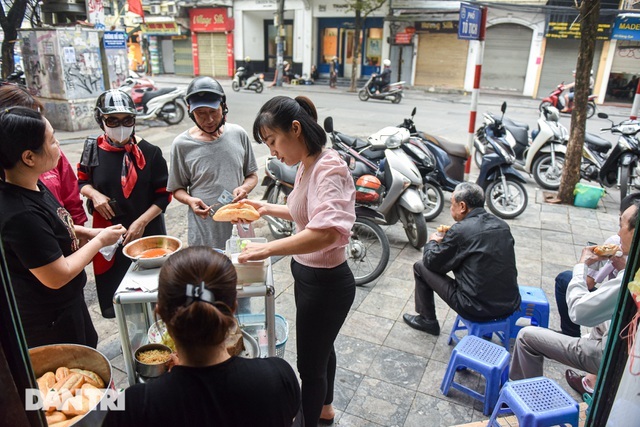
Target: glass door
[[348, 59], [271, 48]]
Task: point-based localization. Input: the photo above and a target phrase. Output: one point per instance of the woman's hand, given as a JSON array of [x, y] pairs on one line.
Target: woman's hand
[[110, 235], [261, 207], [254, 252], [101, 205], [135, 231]]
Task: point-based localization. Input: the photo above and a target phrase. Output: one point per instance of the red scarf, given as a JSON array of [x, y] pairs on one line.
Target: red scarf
[[128, 175]]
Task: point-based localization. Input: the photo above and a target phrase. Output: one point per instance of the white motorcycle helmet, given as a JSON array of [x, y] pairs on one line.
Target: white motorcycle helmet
[[386, 63]]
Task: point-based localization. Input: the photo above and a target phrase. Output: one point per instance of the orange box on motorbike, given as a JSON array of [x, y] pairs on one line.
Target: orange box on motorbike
[[587, 196]]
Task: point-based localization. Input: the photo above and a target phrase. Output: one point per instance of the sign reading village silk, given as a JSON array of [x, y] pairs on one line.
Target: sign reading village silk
[[626, 27], [437, 27], [114, 40], [210, 20]]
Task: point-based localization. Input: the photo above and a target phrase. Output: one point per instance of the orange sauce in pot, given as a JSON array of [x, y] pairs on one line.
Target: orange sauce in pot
[[154, 253]]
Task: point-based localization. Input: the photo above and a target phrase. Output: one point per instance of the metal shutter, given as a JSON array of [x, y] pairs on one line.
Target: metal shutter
[[442, 60], [183, 57], [627, 57], [212, 53], [506, 55]]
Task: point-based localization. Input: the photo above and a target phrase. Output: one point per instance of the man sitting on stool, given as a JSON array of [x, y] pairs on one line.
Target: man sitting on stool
[[479, 250]]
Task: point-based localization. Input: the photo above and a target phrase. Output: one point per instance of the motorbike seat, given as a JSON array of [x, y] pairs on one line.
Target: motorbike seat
[[353, 142], [283, 172], [507, 121], [596, 143], [453, 148], [148, 96]]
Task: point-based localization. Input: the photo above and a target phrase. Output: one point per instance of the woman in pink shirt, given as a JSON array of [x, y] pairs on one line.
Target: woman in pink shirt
[[322, 205]]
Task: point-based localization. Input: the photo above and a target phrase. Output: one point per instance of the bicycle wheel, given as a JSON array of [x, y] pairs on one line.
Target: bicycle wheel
[[367, 251]]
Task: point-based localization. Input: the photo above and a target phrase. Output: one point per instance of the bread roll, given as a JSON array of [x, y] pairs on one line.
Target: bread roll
[[72, 382], [235, 212], [76, 405], [62, 373], [55, 417], [443, 228], [46, 382], [90, 377], [607, 250]]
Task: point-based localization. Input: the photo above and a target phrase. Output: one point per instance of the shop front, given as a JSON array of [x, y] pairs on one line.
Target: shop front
[[212, 42], [160, 36], [442, 57], [625, 64]]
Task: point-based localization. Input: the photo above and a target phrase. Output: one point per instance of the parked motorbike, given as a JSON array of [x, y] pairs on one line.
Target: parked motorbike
[[393, 92], [555, 99], [541, 154], [503, 186], [402, 200], [618, 166], [255, 82], [368, 248], [165, 104], [16, 78]]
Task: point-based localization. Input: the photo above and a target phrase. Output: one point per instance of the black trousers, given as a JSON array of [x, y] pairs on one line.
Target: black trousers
[[427, 282], [323, 298]]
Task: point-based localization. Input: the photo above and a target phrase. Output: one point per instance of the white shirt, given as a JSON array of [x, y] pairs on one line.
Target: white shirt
[[592, 308]]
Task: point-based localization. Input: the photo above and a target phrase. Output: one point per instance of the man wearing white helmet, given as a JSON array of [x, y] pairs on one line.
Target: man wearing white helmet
[[383, 79]]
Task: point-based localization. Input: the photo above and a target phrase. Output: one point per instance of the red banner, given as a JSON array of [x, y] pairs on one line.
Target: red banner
[[135, 6], [210, 20]]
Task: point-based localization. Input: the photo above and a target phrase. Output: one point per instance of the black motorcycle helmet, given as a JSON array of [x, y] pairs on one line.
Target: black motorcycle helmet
[[202, 91], [113, 101]]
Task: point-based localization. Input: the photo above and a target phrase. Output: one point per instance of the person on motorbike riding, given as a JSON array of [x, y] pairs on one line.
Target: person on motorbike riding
[[209, 160], [568, 97], [383, 79], [248, 71]]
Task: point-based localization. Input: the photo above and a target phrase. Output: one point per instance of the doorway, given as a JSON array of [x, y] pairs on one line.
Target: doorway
[[348, 59]]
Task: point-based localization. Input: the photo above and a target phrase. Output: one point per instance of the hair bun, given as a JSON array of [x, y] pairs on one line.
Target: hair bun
[[307, 106]]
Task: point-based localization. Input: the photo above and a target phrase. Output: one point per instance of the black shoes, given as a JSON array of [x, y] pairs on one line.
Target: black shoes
[[575, 382], [420, 323]]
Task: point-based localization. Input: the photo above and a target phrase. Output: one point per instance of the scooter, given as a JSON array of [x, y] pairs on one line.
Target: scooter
[[166, 104], [255, 82], [505, 193], [617, 166], [541, 154], [402, 199], [368, 248], [393, 92], [555, 99]]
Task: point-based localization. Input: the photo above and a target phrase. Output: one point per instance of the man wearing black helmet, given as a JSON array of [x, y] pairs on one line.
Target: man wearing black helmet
[[124, 179], [208, 160]]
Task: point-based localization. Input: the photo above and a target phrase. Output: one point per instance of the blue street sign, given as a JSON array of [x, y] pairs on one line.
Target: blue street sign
[[115, 40], [470, 22], [627, 27]]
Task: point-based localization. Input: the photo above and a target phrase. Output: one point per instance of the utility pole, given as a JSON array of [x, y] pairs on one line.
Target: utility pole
[[279, 24]]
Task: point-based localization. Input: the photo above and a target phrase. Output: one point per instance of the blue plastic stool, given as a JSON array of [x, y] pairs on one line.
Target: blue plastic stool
[[534, 307], [536, 402], [480, 329], [484, 357]]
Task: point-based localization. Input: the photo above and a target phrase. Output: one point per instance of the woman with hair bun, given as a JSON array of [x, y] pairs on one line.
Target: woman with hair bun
[[322, 205], [196, 300]]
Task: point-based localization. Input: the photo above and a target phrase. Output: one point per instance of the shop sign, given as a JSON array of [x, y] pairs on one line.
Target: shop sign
[[160, 28], [566, 26], [403, 38], [211, 20], [437, 27], [626, 27], [470, 22], [114, 40]]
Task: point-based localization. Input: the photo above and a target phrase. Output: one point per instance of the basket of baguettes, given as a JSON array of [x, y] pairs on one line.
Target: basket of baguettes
[[607, 250], [72, 380]]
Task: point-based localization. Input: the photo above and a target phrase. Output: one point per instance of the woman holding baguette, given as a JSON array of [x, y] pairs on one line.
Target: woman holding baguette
[[322, 205], [41, 243], [197, 286]]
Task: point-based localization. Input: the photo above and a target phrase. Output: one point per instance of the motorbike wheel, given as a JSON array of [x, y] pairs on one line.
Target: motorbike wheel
[[546, 174], [625, 180], [259, 87], [415, 229], [591, 109], [367, 251], [363, 94], [177, 117], [235, 86], [544, 104], [396, 99], [282, 227], [433, 200], [507, 202]]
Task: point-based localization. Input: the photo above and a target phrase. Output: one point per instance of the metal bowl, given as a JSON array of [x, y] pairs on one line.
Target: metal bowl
[[134, 249], [148, 370]]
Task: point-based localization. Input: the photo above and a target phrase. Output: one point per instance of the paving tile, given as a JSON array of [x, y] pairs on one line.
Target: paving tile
[[382, 305], [383, 403], [402, 337], [346, 384], [432, 380], [433, 412], [361, 293], [355, 354], [349, 420], [397, 367], [401, 287], [556, 236], [367, 327]]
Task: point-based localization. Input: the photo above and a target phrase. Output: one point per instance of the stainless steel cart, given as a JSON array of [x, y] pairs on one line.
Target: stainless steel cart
[[134, 312]]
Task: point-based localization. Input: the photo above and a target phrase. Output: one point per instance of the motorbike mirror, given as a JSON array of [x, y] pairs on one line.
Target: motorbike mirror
[[328, 124], [413, 112], [603, 115], [504, 107]]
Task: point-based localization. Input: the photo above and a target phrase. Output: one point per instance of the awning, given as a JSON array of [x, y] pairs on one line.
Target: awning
[[160, 29]]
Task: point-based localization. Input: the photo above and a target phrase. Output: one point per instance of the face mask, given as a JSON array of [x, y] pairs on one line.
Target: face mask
[[119, 134]]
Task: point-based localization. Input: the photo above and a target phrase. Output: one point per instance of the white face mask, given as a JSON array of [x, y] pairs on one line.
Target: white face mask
[[119, 134]]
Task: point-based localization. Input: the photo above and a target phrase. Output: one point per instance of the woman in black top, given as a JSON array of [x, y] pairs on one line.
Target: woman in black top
[[41, 243], [125, 179], [196, 300]]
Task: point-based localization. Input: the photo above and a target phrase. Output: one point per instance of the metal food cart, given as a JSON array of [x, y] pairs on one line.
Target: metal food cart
[[134, 312]]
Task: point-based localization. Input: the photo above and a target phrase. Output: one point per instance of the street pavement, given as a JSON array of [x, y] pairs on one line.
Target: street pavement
[[389, 374]]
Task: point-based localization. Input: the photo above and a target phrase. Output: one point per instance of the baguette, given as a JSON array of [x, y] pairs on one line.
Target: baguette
[[235, 212], [72, 383], [607, 250], [46, 382], [62, 373], [90, 377], [77, 405], [55, 417], [443, 228]]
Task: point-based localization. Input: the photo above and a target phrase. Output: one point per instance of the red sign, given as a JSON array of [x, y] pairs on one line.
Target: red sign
[[403, 38], [210, 20]]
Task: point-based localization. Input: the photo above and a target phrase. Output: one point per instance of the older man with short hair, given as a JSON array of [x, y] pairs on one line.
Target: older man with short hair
[[479, 250]]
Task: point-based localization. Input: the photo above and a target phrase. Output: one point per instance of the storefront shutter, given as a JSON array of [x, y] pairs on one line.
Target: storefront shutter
[[506, 55], [442, 60], [212, 53]]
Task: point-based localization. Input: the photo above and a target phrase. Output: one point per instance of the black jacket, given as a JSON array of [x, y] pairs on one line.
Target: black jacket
[[479, 250]]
